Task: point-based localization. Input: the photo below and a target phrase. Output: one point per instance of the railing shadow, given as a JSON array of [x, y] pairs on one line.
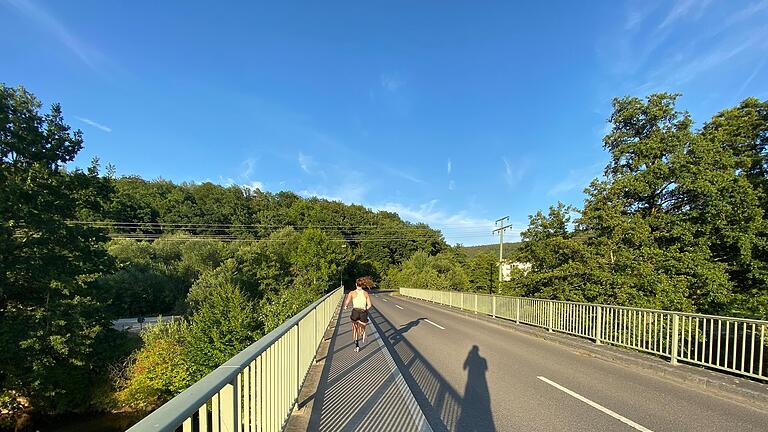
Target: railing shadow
[[444, 408], [356, 389]]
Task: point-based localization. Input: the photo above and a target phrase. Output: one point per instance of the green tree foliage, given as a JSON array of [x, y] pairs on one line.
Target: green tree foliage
[[380, 239], [61, 281], [425, 271], [159, 370], [223, 321], [154, 278], [53, 334], [261, 285], [677, 222]]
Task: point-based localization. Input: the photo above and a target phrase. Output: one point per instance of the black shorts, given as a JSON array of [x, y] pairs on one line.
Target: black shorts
[[359, 315]]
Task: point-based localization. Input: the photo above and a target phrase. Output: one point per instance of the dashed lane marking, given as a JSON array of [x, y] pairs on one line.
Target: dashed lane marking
[[595, 405], [436, 325]]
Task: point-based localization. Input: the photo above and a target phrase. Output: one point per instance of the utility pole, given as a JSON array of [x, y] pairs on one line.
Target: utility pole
[[501, 228]]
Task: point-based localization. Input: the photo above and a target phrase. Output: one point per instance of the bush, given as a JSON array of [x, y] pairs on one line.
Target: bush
[[223, 322], [276, 308], [159, 370]]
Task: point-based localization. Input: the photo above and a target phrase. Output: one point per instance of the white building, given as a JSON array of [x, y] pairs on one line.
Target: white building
[[507, 266]]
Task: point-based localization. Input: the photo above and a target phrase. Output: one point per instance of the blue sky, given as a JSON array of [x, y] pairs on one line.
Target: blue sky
[[450, 114]]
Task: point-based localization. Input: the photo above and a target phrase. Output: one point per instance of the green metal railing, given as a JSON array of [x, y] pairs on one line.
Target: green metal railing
[[735, 345], [256, 389]]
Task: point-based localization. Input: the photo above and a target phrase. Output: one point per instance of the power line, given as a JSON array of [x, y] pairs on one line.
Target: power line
[[357, 229], [218, 225]]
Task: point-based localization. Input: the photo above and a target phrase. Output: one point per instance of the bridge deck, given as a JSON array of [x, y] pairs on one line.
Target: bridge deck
[[362, 391]]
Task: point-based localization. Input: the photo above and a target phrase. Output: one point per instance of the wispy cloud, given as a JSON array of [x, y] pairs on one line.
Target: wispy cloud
[[391, 82], [459, 227], [685, 8], [751, 77], [94, 124], [349, 187], [51, 24], [254, 185], [451, 185], [514, 172], [686, 69], [577, 178], [450, 166], [349, 193], [250, 185], [401, 174], [306, 162], [638, 13], [426, 213], [747, 13], [248, 166]]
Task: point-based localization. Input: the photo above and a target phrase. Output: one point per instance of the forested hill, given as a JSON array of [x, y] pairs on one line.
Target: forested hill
[[186, 230], [509, 247], [149, 209]]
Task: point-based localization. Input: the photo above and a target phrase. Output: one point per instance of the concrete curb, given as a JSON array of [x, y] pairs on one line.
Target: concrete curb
[[752, 393]]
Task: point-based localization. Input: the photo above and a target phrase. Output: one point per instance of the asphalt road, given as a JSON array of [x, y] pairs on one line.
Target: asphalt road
[[469, 375]]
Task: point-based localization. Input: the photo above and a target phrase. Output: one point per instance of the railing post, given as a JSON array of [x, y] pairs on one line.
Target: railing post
[[493, 299], [517, 310], [599, 326], [476, 297], [298, 365], [675, 337], [230, 404], [551, 314], [314, 328], [462, 301]]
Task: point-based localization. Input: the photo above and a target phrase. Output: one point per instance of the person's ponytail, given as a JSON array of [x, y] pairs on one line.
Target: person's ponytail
[[364, 282]]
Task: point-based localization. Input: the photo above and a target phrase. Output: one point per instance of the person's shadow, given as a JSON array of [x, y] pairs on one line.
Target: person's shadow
[[397, 335], [476, 412]]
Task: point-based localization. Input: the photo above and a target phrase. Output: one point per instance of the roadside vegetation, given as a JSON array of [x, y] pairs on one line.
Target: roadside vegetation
[[79, 248], [678, 221]]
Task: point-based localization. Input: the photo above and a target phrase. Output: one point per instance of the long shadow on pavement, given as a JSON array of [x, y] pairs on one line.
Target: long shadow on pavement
[[358, 391], [443, 406]]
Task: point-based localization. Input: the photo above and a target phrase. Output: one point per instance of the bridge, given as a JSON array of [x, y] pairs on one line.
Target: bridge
[[446, 361]]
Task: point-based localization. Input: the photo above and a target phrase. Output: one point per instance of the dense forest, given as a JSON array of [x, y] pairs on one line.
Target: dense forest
[[472, 251], [678, 221]]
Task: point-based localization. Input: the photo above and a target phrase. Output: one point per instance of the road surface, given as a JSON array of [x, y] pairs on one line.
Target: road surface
[[470, 375]]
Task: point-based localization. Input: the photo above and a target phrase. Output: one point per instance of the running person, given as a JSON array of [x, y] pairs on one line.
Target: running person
[[361, 302]]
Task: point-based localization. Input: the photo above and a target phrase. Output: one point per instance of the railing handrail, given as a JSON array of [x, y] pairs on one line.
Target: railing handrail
[[244, 357], [736, 345], [186, 403], [690, 314]]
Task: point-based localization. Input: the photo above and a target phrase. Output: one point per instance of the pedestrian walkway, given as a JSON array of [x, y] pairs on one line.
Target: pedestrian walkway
[[363, 391]]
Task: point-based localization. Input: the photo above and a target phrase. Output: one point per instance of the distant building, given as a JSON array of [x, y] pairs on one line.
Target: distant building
[[507, 266]]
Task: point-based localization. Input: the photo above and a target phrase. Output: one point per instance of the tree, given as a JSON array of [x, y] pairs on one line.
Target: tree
[[51, 329], [159, 370], [223, 321]]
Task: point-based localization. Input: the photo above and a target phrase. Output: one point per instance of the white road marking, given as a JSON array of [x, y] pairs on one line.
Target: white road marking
[[385, 299], [596, 405], [438, 326], [398, 306]]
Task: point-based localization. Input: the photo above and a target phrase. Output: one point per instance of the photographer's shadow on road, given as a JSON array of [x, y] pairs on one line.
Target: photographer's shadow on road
[[476, 402]]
